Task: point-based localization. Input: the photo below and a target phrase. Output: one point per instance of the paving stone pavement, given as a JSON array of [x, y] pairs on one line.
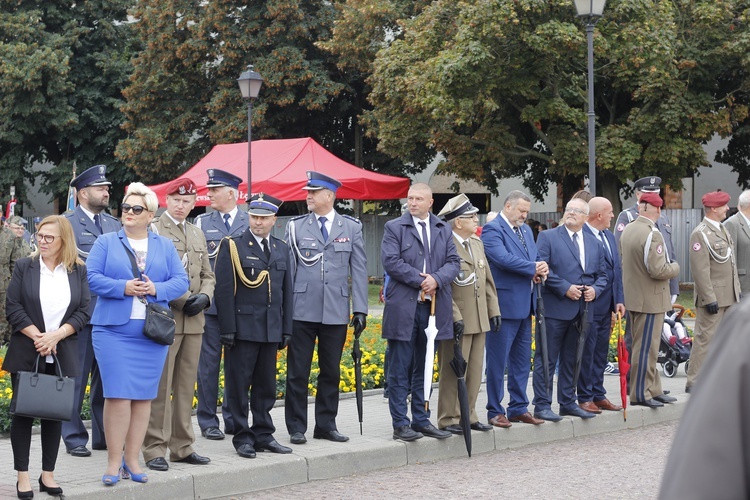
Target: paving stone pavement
[[229, 475]]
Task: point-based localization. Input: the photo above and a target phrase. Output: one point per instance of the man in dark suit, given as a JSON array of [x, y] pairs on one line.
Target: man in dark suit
[[327, 250], [420, 258], [591, 393], [254, 304], [576, 275], [512, 255], [89, 220], [225, 220]]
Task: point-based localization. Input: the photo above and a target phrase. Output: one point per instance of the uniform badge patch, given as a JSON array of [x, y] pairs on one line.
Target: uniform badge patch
[[659, 249], [620, 227], [696, 247]]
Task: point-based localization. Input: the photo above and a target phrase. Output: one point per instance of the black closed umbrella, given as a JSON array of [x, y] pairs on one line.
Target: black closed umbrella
[[458, 363], [583, 328], [357, 357], [541, 335]]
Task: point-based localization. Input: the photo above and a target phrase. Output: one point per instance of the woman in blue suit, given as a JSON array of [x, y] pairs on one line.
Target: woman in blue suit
[[130, 363]]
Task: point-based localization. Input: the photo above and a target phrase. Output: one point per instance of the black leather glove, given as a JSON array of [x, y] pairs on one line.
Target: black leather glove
[[712, 308], [227, 340], [359, 321], [458, 330], [285, 338], [495, 323], [195, 304]]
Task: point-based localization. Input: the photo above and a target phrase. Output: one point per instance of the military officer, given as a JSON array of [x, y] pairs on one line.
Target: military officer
[[650, 185], [475, 311], [327, 249], [12, 248], [170, 425], [254, 304], [646, 271], [717, 286], [738, 227], [89, 220], [225, 220]]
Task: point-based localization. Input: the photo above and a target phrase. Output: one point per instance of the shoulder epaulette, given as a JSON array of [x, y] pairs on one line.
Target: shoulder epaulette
[[352, 218], [701, 226], [299, 217], [279, 240], [105, 214]]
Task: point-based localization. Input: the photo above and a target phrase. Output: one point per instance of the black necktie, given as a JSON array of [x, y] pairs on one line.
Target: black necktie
[[266, 250], [520, 237], [226, 221], [323, 229], [426, 245], [97, 223]]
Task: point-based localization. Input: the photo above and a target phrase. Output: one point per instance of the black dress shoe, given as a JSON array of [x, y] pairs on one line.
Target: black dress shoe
[[432, 431], [50, 490], [651, 403], [666, 391], [246, 451], [194, 459], [158, 464], [213, 433], [24, 494], [274, 447], [576, 411], [99, 447], [333, 435], [80, 451], [454, 429], [406, 433], [665, 399], [479, 426], [687, 389], [297, 438], [548, 415]]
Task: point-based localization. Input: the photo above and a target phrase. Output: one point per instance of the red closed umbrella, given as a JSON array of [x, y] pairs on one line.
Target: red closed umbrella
[[623, 364]]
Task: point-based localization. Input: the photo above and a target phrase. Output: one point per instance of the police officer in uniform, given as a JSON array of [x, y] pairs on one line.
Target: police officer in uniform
[[717, 286], [89, 220], [646, 271], [254, 301], [170, 425], [327, 249], [475, 311], [225, 220]]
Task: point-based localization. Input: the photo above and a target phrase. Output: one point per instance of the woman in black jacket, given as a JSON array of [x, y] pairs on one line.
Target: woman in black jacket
[[46, 304]]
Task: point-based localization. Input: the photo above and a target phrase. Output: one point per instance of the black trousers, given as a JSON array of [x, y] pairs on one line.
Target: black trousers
[[331, 340], [251, 365], [20, 434]]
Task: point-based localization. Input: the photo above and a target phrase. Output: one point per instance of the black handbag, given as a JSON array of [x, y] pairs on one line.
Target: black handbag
[[48, 397], [160, 324]]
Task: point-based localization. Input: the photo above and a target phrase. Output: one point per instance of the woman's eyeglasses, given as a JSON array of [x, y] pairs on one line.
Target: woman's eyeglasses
[[137, 210], [47, 238]]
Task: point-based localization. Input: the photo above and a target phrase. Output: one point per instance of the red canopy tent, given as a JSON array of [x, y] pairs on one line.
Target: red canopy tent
[[279, 167]]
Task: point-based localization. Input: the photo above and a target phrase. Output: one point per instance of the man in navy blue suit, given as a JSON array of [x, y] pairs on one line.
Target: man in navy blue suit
[[512, 255], [576, 275], [591, 393]]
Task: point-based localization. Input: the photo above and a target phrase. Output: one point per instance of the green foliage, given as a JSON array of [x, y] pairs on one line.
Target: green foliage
[[499, 88]]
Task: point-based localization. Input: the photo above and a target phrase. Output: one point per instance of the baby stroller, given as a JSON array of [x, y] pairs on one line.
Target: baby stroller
[[675, 344]]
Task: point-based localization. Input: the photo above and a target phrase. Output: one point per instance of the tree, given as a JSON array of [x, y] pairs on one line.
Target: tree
[[183, 96], [64, 64], [499, 88]]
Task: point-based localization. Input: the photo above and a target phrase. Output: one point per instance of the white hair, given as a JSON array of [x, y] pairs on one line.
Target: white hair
[[744, 200]]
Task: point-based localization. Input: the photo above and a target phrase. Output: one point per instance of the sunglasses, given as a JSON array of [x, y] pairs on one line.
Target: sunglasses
[[47, 238], [137, 210]]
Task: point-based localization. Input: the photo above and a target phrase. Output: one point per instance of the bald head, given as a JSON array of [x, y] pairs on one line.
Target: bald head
[[600, 213]]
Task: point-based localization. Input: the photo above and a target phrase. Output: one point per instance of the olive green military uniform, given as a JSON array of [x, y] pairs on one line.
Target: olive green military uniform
[[12, 248], [646, 271], [714, 269]]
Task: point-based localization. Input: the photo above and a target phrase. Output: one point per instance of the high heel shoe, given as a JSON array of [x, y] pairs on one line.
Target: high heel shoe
[[111, 480], [24, 494], [128, 474], [54, 491]]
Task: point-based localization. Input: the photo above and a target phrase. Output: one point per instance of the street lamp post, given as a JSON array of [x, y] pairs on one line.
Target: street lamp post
[[591, 10], [250, 83]]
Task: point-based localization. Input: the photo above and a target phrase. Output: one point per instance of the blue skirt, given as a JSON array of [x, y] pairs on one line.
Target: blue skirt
[[130, 364]]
